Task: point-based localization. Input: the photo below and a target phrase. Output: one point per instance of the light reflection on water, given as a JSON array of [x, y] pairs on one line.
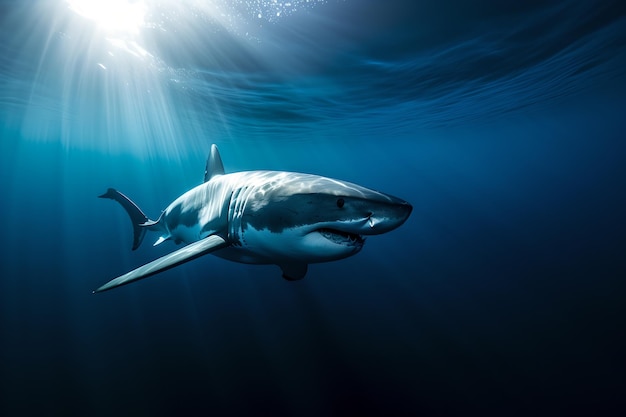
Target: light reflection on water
[[123, 69]]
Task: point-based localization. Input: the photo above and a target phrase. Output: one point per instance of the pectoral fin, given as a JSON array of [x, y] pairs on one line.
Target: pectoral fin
[[161, 240], [294, 271], [186, 254]]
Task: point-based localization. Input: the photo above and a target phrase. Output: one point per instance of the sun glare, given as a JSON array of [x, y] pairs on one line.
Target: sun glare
[[112, 15]]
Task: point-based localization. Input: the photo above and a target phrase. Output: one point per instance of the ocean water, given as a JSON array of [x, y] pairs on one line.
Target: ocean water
[[501, 123]]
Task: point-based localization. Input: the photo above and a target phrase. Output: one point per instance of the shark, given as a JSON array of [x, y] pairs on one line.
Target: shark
[[288, 219]]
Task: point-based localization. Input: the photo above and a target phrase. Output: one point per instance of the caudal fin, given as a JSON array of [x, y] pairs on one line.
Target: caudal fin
[[137, 217]]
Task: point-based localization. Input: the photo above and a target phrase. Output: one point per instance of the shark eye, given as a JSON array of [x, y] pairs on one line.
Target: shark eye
[[340, 202]]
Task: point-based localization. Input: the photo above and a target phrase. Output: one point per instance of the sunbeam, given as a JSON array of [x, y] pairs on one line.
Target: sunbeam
[[117, 67]]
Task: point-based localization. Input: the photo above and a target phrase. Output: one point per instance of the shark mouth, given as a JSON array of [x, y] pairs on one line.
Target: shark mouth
[[341, 238]]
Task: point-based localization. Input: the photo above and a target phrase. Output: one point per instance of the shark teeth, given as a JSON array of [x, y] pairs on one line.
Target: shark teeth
[[341, 237]]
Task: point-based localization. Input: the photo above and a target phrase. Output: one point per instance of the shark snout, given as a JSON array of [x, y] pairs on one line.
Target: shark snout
[[385, 218]]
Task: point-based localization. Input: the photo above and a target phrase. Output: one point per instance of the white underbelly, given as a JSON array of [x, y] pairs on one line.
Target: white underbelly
[[264, 246]]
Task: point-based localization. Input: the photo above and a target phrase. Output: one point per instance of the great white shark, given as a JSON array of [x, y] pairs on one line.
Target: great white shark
[[288, 219]]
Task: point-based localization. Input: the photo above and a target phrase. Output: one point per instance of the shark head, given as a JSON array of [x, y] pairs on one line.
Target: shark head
[[308, 218]]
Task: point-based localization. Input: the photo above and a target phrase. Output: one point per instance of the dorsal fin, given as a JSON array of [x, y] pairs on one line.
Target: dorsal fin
[[214, 164]]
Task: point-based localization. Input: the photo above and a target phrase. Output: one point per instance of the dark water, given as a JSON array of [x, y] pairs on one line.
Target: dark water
[[502, 123]]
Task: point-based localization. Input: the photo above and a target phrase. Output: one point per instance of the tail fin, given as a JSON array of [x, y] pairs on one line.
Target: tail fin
[[136, 215]]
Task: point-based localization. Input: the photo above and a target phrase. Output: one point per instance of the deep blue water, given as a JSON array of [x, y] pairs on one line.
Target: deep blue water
[[503, 124]]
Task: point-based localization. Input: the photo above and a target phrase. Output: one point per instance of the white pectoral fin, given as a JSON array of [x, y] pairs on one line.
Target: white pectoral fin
[[186, 254]]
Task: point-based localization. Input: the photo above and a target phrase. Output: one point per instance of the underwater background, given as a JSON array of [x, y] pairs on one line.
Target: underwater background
[[502, 123]]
